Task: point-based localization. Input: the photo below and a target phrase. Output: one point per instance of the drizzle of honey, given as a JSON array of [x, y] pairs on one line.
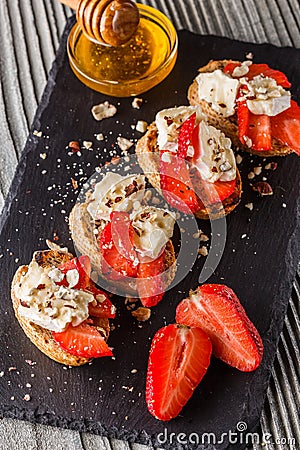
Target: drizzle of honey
[[129, 69]]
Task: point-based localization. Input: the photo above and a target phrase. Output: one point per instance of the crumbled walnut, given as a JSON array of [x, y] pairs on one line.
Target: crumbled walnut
[[257, 170], [249, 206], [263, 188], [271, 166], [251, 175], [74, 146], [202, 251], [239, 159], [137, 103], [142, 314]]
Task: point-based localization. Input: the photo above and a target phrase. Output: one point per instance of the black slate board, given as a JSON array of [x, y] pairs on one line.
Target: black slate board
[[260, 268]]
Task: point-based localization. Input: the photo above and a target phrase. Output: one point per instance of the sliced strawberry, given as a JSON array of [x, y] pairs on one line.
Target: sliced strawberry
[[149, 283], [122, 234], [229, 68], [104, 307], [83, 266], [260, 69], [264, 69], [178, 360], [254, 130], [114, 265], [83, 340], [286, 127], [216, 309], [185, 136], [176, 183]]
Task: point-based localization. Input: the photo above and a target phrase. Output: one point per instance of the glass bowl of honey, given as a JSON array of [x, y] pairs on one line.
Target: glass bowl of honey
[[129, 69]]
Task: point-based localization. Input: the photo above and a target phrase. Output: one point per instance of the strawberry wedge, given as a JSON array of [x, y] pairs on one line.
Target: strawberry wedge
[[149, 282], [216, 309], [178, 360]]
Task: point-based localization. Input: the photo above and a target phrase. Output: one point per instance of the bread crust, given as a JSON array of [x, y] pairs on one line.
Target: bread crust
[[147, 153], [85, 241], [38, 335], [229, 125]]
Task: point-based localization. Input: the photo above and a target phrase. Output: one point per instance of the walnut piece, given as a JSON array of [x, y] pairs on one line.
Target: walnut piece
[[142, 314], [263, 188]]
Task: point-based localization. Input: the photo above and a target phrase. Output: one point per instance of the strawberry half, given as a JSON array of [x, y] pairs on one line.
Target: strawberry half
[[149, 283], [83, 267], [175, 182], [178, 360], [216, 309], [255, 127], [83, 340], [114, 264], [185, 136], [286, 127]]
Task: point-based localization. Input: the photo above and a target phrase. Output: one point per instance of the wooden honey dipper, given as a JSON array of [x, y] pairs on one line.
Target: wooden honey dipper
[[110, 22]]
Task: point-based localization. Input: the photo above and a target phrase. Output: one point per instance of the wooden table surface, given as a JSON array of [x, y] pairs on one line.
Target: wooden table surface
[[29, 35]]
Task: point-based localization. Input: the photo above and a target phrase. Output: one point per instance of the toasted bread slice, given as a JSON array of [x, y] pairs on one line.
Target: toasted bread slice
[[38, 335], [86, 242], [147, 152], [229, 125]]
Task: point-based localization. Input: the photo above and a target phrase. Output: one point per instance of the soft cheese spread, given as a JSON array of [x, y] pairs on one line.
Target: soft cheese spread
[[216, 160], [115, 192], [153, 228], [266, 96], [168, 122], [46, 304], [218, 89]]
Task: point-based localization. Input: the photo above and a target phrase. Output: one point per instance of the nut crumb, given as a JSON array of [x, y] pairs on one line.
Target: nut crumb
[[43, 155], [271, 166], [251, 175], [100, 137], [87, 145], [202, 251], [134, 371], [249, 206], [124, 143], [257, 170], [103, 111], [37, 133], [74, 184], [142, 314], [137, 103], [239, 159], [263, 188], [249, 55], [74, 146], [141, 126], [204, 237]]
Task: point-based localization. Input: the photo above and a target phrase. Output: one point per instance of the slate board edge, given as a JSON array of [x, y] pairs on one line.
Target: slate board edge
[[48, 417]]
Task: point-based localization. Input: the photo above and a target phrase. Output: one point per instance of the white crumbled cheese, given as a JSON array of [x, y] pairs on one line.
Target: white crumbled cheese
[[241, 70], [267, 97], [169, 121], [51, 306], [218, 89], [141, 126], [115, 192], [124, 143], [72, 277], [103, 111], [153, 228], [216, 161], [56, 275]]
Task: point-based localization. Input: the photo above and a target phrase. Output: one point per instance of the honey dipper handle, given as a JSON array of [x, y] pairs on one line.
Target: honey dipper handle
[[71, 3]]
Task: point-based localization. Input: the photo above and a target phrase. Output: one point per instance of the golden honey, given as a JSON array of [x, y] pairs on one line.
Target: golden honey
[[131, 68]]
